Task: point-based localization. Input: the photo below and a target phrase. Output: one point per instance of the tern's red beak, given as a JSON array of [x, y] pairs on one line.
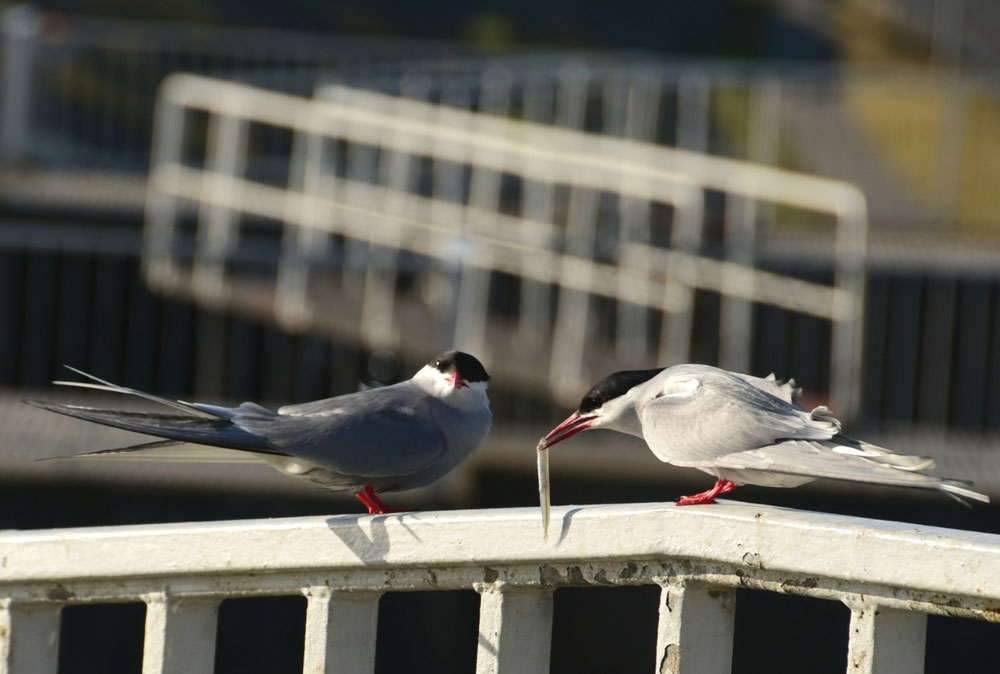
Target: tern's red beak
[[575, 423], [456, 381]]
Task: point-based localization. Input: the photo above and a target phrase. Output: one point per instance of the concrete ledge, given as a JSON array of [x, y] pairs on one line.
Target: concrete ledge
[[730, 538]]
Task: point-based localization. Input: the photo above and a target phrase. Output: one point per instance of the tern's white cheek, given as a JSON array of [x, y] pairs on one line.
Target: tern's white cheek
[[619, 415], [472, 396]]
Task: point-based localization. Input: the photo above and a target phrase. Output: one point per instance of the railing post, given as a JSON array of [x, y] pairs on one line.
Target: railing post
[[515, 629], [695, 633], [340, 631], [218, 228], [884, 640], [29, 638], [180, 635], [159, 257]]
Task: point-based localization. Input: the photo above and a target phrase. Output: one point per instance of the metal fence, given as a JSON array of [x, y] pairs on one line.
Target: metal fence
[[454, 199], [890, 575], [916, 143], [78, 94]]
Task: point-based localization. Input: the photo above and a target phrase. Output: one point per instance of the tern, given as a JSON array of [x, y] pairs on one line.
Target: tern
[[391, 438], [738, 428]]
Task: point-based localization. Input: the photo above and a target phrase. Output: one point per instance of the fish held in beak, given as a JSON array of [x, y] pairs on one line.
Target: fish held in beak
[[573, 424], [544, 494]]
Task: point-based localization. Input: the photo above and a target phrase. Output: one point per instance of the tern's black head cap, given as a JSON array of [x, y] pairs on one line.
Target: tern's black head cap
[[466, 365], [615, 385]]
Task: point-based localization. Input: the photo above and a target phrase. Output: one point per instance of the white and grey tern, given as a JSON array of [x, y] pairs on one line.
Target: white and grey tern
[[738, 428], [385, 439]]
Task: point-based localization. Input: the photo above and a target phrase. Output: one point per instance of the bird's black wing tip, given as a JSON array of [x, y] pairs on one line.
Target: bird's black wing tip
[[117, 450]]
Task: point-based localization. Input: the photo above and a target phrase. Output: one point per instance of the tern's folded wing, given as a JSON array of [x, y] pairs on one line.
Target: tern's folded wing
[[699, 416], [386, 438], [826, 459]]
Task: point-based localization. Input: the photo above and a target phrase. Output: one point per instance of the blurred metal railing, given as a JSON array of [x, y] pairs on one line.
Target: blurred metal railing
[[890, 575], [77, 94], [904, 137], [390, 176]]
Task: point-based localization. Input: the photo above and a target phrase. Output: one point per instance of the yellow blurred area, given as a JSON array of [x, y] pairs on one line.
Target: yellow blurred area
[[939, 134]]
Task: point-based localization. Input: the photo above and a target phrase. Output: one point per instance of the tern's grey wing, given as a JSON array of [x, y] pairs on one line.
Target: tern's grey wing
[[826, 458], [695, 414], [381, 432], [841, 458]]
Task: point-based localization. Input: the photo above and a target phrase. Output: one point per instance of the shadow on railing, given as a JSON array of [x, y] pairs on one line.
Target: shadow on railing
[[890, 575]]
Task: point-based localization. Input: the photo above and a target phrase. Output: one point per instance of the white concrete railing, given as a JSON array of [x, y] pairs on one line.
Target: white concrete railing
[[891, 575]]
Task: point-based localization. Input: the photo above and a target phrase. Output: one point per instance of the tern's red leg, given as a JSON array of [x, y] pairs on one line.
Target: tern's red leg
[[721, 487], [374, 503]]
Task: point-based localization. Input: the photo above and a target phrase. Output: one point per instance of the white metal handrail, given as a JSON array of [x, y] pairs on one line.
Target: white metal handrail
[[890, 575], [383, 209]]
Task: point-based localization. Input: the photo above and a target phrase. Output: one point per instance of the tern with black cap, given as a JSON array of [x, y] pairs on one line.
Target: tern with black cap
[[739, 429], [391, 438]]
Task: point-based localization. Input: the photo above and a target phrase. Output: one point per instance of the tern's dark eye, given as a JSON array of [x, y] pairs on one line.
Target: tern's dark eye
[[589, 403]]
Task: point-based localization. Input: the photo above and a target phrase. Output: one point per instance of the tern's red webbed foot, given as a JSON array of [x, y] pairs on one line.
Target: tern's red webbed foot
[[721, 487], [374, 503]]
